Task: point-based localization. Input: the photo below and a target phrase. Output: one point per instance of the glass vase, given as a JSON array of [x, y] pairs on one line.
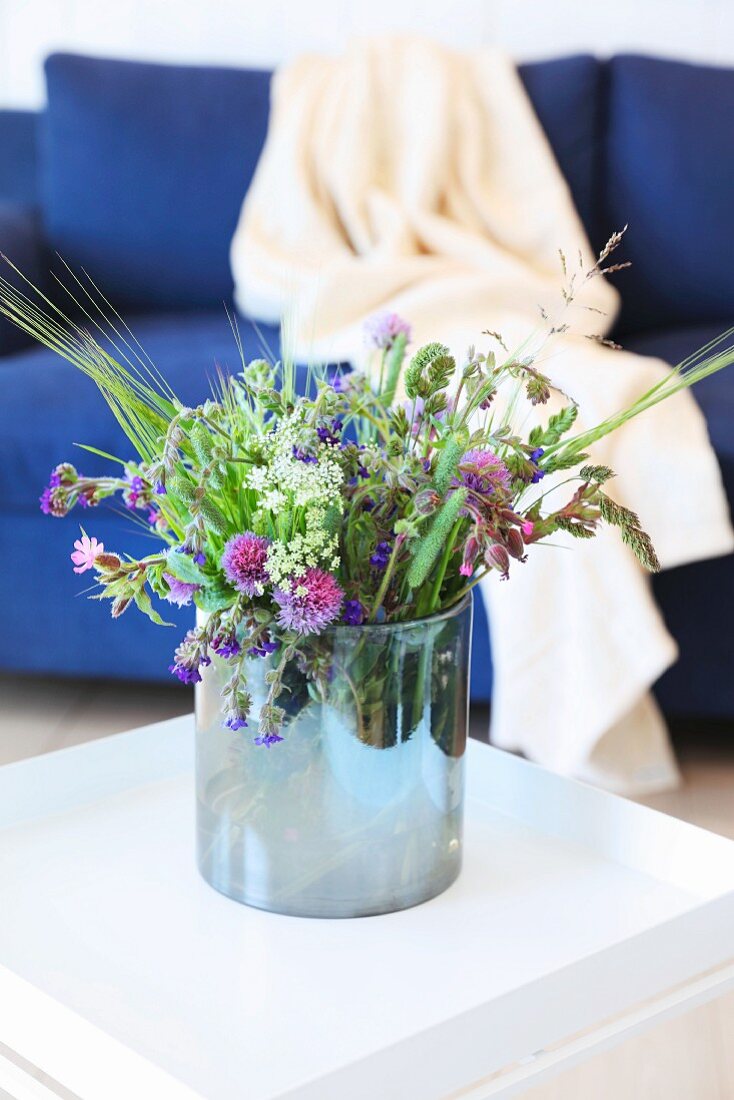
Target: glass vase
[[359, 809]]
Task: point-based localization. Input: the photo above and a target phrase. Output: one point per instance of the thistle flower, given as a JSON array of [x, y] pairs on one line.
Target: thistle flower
[[382, 329], [243, 561], [313, 601], [483, 473], [179, 592], [85, 552]]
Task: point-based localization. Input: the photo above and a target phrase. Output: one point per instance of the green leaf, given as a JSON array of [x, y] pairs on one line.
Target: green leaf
[[102, 454], [215, 597], [142, 601], [185, 568]]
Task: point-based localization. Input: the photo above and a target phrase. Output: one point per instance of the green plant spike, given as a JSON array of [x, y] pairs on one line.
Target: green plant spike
[[432, 543]]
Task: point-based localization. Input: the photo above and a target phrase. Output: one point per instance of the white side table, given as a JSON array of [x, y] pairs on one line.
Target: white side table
[[579, 919]]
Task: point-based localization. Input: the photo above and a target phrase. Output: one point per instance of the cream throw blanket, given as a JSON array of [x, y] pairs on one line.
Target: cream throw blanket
[[409, 177]]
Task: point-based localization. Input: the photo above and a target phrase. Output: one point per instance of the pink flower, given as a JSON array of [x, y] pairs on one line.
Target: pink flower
[[243, 561], [527, 528], [318, 604], [86, 551]]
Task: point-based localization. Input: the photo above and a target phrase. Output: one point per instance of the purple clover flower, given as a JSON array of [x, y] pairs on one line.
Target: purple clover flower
[[483, 473], [382, 329], [316, 607], [243, 561]]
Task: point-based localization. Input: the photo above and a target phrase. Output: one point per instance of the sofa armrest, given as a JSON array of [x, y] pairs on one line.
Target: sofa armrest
[[22, 244]]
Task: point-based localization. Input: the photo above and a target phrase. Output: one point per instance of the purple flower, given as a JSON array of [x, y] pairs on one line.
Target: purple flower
[[535, 457], [200, 558], [243, 561], [483, 473], [160, 488], [45, 501], [354, 613], [381, 556], [341, 383], [235, 722], [179, 592], [267, 739], [382, 329], [330, 435], [226, 645], [263, 649], [190, 656], [313, 602], [304, 456]]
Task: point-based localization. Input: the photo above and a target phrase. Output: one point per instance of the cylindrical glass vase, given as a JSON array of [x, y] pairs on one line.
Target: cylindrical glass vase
[[359, 809]]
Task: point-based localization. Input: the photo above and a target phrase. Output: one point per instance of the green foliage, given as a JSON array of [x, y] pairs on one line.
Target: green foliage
[[599, 474], [394, 363], [447, 464], [201, 441], [431, 545], [632, 533], [432, 359], [214, 597], [184, 568], [181, 488], [214, 517]]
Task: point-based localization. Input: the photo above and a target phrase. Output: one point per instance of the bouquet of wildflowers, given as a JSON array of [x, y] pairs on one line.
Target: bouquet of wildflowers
[[374, 498]]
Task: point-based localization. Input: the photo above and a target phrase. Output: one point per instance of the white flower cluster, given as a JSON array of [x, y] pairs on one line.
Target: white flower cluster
[[286, 481], [314, 548]]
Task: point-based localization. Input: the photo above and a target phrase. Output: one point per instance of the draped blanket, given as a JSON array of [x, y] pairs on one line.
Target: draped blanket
[[409, 177]]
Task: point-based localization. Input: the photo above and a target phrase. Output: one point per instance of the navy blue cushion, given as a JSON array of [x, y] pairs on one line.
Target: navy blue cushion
[[669, 173], [37, 385], [144, 171], [18, 163], [698, 600], [566, 95], [20, 242]]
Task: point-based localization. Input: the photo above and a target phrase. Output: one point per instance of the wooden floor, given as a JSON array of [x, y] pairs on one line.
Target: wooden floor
[[689, 1058]]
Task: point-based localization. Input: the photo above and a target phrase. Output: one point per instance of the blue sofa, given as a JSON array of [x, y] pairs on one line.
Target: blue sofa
[[136, 173]]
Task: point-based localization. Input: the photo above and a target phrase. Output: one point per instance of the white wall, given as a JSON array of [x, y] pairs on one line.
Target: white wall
[[267, 31]]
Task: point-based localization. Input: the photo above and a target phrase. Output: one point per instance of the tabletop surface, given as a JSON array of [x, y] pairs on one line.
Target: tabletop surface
[[104, 914]]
